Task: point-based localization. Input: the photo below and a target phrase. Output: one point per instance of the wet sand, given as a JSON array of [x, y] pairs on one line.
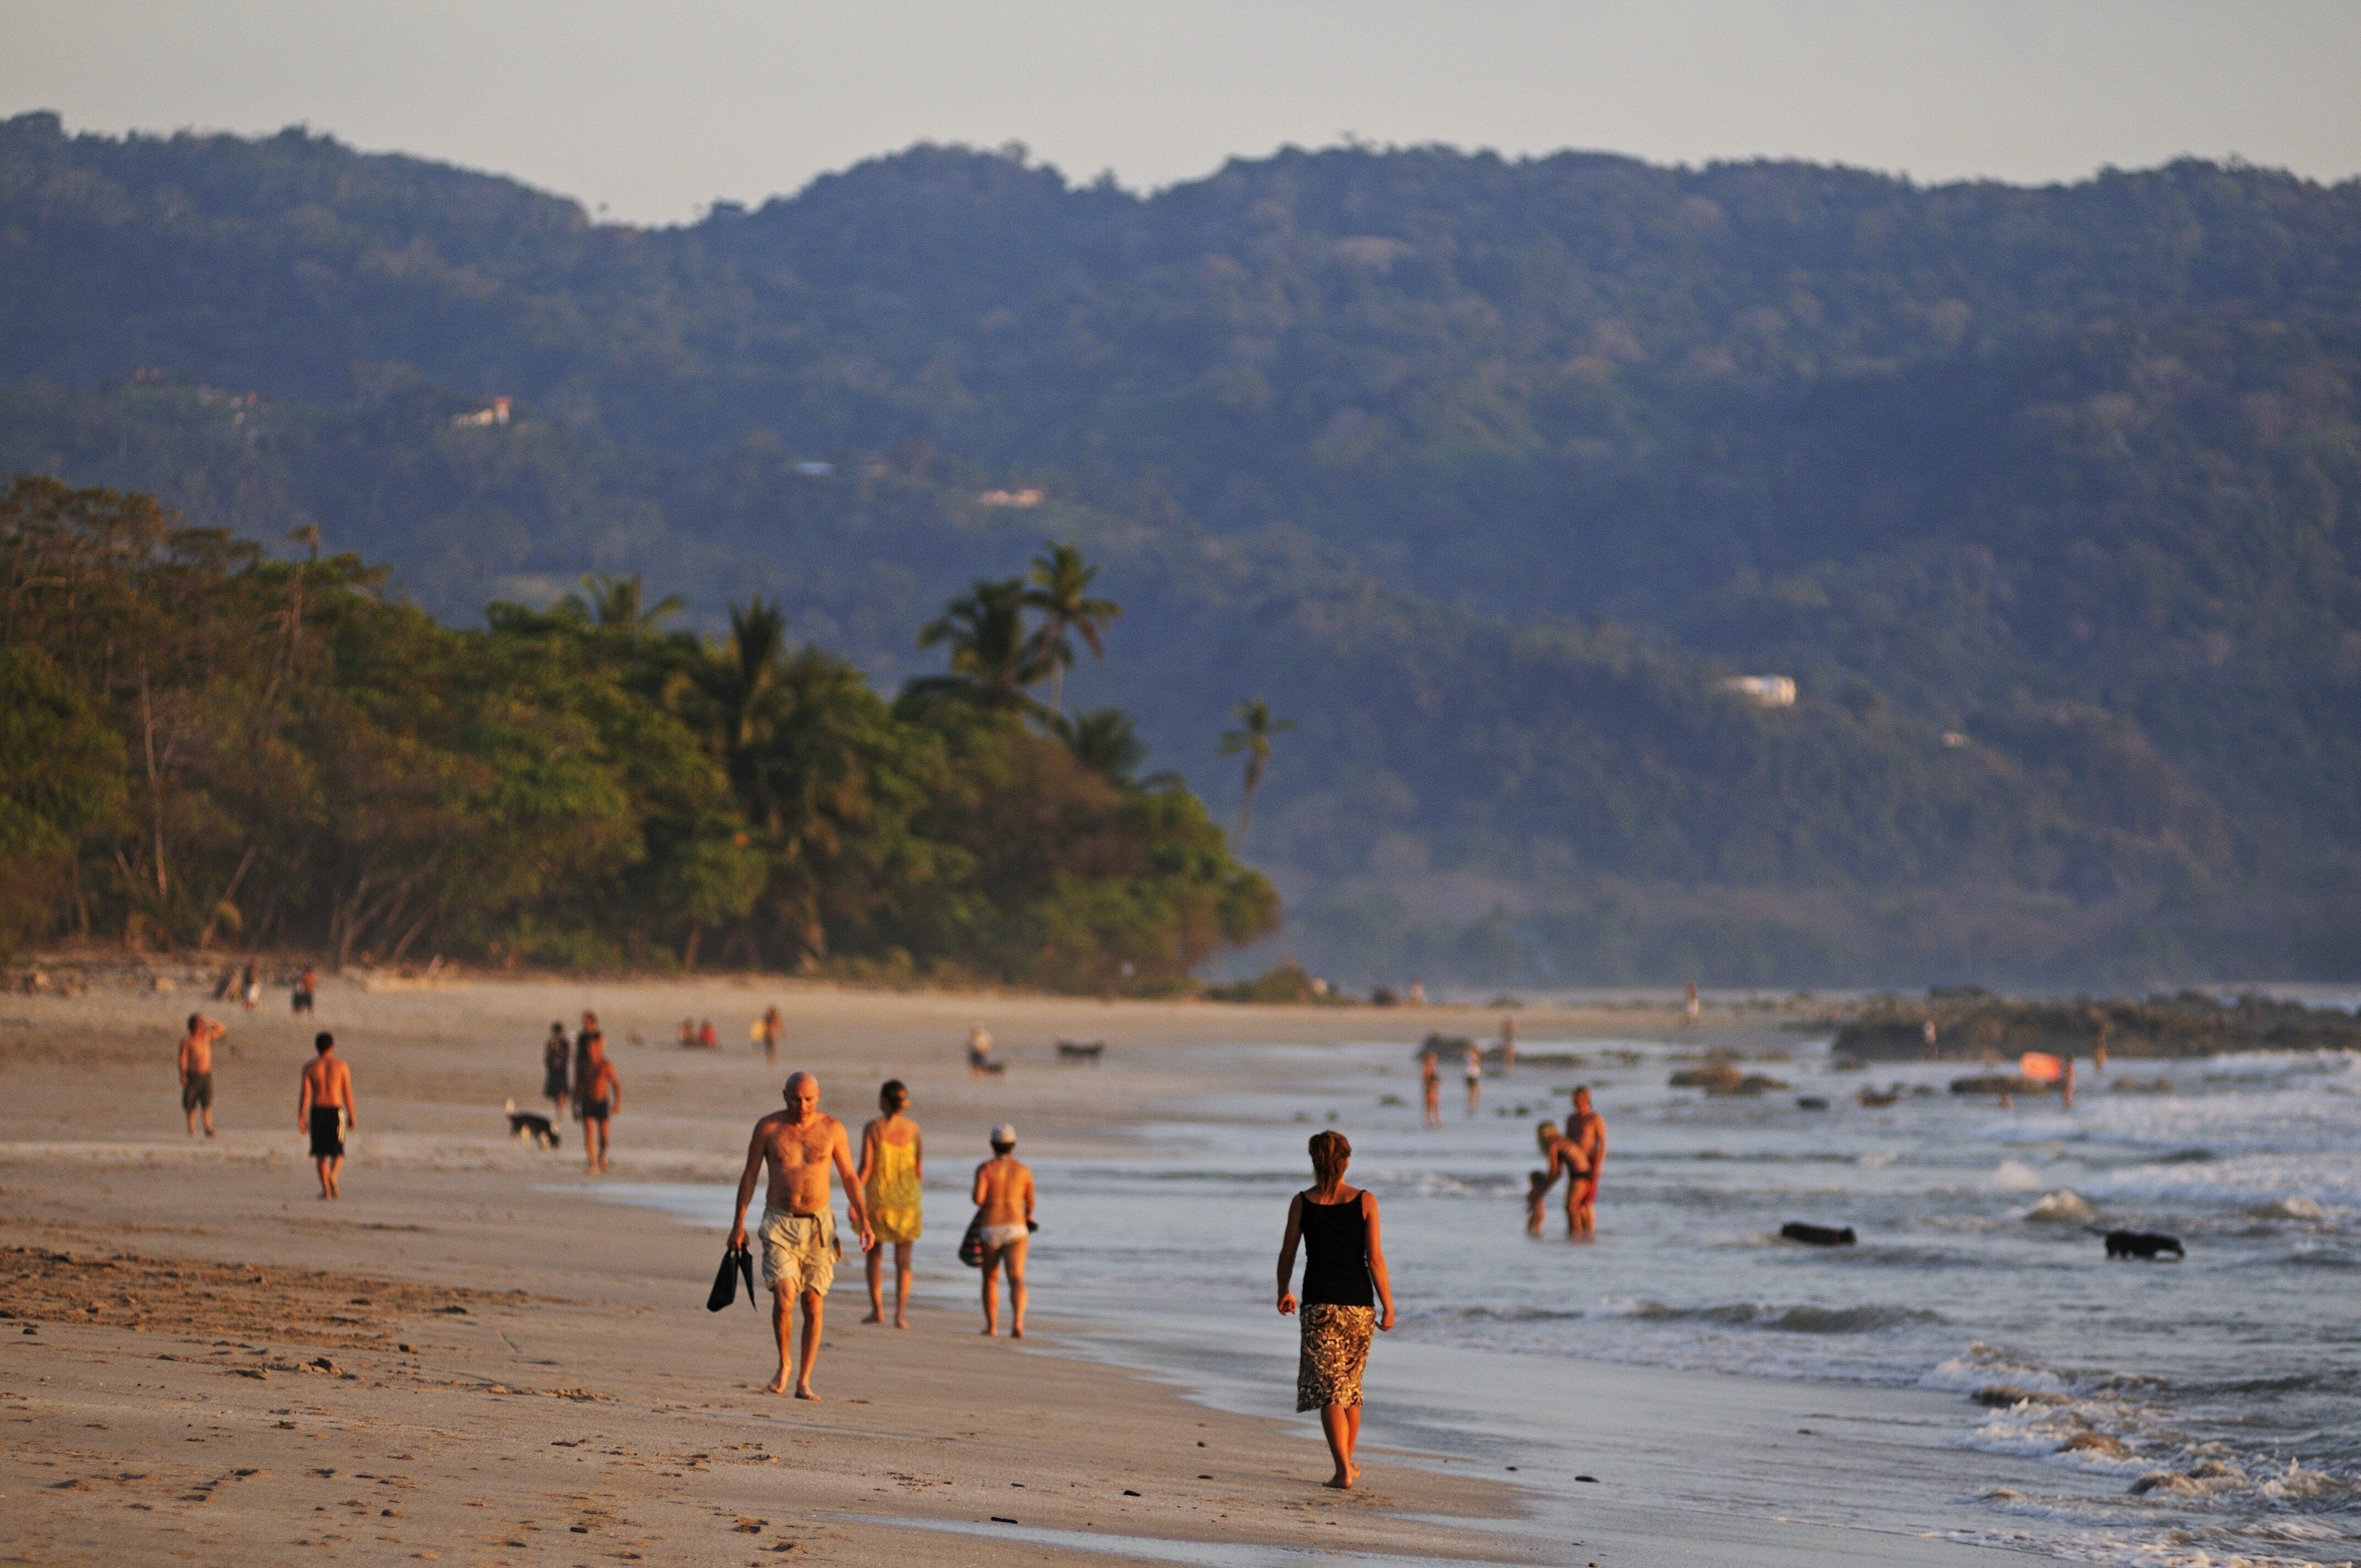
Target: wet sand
[[457, 1363]]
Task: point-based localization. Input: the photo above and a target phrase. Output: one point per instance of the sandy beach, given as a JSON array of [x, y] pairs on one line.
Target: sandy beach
[[473, 1358]]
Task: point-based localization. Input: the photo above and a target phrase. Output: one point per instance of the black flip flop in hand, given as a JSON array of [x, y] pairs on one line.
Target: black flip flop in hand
[[736, 1263]]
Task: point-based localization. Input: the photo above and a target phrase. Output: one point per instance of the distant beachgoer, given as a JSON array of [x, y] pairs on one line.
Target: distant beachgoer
[[250, 987], [2066, 1083], [1472, 1069], [1004, 1201], [797, 1147], [2099, 1048], [1508, 1046], [582, 1040], [1583, 1152], [688, 1035], [556, 1064], [307, 990], [979, 1051], [326, 1109], [600, 1093], [1429, 1081], [893, 1164], [708, 1036], [196, 1066], [1689, 1006], [774, 1026], [1338, 1227], [1546, 1135], [1416, 996]]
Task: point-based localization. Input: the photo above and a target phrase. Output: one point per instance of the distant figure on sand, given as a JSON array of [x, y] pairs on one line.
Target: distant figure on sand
[[556, 1059], [250, 988], [1690, 1006], [197, 1071], [600, 1093], [708, 1036], [1430, 1083], [325, 1110], [2099, 1048], [1508, 1046], [1004, 1204], [1546, 1135], [1473, 1070], [582, 1059], [771, 1026], [979, 1051], [2066, 1083], [893, 1164], [307, 988], [797, 1147], [1338, 1227]]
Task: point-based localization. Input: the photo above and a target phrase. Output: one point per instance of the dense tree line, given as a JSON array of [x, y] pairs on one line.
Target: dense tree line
[[208, 747], [1482, 469]]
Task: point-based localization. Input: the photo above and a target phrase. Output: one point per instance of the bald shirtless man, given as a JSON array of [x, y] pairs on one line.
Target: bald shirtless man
[[197, 1069], [797, 1147], [325, 1110]]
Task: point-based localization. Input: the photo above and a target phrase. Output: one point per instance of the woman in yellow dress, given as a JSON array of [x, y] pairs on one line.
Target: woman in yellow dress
[[892, 1162]]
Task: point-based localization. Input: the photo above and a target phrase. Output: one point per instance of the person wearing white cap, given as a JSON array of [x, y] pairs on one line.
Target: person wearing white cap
[[1004, 1203]]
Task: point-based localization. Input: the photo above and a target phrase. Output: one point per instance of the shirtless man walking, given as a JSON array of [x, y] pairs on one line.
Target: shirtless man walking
[[325, 1110], [798, 1147], [1003, 1201], [197, 1069], [601, 1094]]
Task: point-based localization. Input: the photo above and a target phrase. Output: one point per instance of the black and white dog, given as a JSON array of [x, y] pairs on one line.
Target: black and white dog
[[531, 1127]]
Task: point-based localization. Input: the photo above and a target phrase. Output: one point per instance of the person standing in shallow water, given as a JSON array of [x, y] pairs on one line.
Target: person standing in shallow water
[[1344, 1265], [893, 1164]]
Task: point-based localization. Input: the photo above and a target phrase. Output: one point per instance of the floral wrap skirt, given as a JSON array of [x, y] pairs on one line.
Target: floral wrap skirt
[[1336, 1349]]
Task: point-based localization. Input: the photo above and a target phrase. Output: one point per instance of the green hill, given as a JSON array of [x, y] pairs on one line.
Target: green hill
[[1483, 471]]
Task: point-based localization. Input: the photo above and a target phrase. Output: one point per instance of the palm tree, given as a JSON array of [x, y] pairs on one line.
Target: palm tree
[[743, 674], [992, 660], [1102, 741], [619, 604], [1256, 727], [1060, 591]]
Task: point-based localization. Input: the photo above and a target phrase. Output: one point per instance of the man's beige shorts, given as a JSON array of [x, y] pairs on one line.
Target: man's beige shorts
[[799, 1251]]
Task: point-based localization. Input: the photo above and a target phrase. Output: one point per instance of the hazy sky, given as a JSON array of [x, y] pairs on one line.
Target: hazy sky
[[657, 110]]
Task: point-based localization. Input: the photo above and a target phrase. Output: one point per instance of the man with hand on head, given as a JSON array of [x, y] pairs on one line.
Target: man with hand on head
[[796, 1149], [197, 1071]]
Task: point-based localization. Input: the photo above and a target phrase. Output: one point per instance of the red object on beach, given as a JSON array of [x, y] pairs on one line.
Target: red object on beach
[[2041, 1067]]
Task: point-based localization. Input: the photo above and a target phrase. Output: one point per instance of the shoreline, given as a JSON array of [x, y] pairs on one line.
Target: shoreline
[[436, 1198]]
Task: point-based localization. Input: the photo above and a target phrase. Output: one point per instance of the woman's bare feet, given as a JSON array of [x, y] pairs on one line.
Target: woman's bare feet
[[877, 1318], [777, 1385], [900, 1321], [1019, 1332], [802, 1391]]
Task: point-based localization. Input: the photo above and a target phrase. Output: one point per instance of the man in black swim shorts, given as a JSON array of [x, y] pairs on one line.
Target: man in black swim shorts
[[326, 1111]]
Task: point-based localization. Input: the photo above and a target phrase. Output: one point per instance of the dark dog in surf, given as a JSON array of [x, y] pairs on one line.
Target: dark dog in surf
[[2142, 1244], [531, 1127]]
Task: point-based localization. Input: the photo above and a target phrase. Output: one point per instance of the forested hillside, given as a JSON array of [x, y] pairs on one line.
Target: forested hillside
[[1483, 471]]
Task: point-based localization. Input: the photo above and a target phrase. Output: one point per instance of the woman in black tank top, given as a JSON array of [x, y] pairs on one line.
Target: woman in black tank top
[[1345, 1268]]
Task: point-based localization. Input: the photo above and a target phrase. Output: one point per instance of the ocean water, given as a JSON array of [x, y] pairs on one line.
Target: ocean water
[[2199, 1412]]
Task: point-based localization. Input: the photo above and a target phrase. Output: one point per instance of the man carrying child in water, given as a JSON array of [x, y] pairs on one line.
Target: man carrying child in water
[[1579, 1151], [797, 1147]]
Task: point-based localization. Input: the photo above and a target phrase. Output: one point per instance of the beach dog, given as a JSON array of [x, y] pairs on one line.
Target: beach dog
[[531, 1127], [2142, 1244]]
